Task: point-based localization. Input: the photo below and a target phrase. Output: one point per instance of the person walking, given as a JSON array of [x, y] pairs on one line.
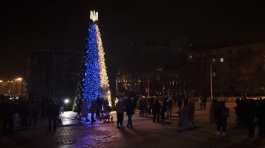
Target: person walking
[[261, 117], [93, 109], [169, 108], [250, 115], [164, 109], [213, 107], [156, 110], [99, 105], [53, 115], [120, 112], [85, 109], [130, 111], [142, 107], [7, 112], [221, 114], [203, 103], [79, 104]]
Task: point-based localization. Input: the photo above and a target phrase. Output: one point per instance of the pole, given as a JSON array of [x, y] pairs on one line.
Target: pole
[[211, 81], [148, 88], [116, 83]]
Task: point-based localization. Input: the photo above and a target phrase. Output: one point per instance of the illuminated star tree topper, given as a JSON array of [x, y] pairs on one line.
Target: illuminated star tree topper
[[93, 15]]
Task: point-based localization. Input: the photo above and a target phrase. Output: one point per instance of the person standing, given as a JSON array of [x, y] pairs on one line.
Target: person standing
[[120, 112], [170, 107], [99, 104], [7, 112], [203, 103], [221, 114], [53, 115], [163, 109], [79, 104], [213, 107], [85, 109], [250, 115], [93, 109], [156, 110], [261, 117], [142, 107], [130, 111]]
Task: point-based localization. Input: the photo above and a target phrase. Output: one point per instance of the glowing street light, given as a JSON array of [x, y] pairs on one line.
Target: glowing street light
[[19, 79], [1, 81], [213, 74], [222, 60], [66, 101]]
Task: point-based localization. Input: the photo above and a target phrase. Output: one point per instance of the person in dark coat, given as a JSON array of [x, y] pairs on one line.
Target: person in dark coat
[[120, 107], [7, 112], [79, 104], [142, 107], [163, 109], [53, 115], [24, 112], [156, 110], [93, 110], [250, 114], [261, 117], [221, 115], [130, 111], [169, 108], [99, 105], [150, 105]]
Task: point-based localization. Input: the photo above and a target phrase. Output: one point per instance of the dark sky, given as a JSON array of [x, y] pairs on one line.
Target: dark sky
[[62, 24]]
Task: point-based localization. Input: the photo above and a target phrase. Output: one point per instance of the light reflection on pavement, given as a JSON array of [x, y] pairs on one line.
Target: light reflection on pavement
[[145, 134]]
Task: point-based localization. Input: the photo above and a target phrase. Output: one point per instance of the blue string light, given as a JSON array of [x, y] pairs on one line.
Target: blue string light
[[91, 80]]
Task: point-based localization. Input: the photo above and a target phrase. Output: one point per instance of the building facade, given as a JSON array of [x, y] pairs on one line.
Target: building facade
[[54, 74]]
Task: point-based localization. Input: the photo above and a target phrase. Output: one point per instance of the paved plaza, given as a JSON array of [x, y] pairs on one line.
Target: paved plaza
[[145, 134]]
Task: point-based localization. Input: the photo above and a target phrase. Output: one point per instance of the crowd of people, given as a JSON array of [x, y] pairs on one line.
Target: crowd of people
[[97, 109], [125, 104], [161, 109], [25, 113], [251, 114]]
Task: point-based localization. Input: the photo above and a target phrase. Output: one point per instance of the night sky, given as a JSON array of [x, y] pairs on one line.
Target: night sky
[[127, 25]]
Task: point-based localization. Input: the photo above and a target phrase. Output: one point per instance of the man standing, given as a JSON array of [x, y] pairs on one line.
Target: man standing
[[53, 115], [221, 114], [93, 109], [156, 110], [119, 111], [130, 111]]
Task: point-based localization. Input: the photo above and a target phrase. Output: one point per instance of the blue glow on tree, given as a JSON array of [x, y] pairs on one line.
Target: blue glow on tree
[[95, 78], [91, 80]]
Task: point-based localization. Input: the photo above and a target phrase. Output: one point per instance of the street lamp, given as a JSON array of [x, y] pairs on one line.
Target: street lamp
[[19, 85], [66, 101], [19, 79], [213, 74], [222, 60]]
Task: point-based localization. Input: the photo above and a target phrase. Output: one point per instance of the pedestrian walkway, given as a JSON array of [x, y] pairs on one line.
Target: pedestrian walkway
[[145, 134], [69, 118]]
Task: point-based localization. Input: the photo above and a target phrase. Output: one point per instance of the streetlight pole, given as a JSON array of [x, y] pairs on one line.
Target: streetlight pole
[[212, 75], [19, 86], [211, 81], [148, 88]]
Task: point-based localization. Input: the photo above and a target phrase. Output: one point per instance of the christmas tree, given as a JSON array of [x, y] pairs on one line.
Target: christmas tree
[[95, 81]]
